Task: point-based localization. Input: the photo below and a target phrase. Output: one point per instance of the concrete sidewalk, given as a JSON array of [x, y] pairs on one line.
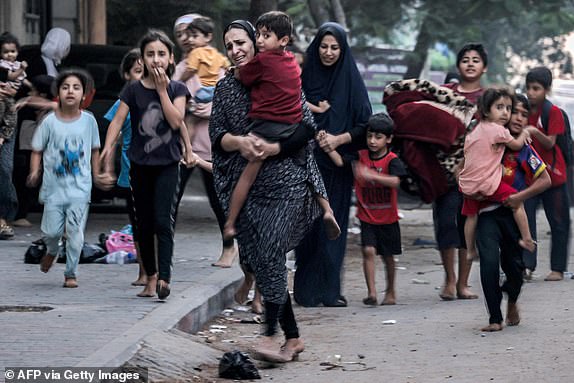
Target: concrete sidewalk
[[102, 323]]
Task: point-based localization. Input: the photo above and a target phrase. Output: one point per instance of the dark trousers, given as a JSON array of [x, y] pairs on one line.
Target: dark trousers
[[207, 178], [497, 241], [557, 209], [155, 191], [284, 315], [27, 197]]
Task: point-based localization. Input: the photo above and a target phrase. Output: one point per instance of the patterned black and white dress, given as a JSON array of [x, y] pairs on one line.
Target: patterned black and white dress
[[281, 206]]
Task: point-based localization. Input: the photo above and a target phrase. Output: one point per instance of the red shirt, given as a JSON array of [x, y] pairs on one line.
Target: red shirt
[[470, 96], [275, 81], [556, 168], [376, 204]]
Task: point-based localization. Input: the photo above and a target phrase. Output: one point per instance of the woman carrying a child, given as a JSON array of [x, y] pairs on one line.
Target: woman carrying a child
[[280, 207]]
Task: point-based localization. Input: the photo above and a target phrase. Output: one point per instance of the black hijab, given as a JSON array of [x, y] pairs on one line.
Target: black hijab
[[340, 84]]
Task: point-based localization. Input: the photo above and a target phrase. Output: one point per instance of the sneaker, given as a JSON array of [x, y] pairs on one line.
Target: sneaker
[[527, 274]]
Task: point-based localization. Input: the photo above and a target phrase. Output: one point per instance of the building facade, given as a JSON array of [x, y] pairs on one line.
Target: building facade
[[30, 20]]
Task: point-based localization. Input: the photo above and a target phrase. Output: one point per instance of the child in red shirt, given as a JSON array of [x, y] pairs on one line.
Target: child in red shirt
[[377, 177], [274, 77]]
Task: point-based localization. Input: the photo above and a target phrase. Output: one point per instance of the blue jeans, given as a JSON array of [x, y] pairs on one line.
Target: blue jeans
[[557, 209], [69, 218]]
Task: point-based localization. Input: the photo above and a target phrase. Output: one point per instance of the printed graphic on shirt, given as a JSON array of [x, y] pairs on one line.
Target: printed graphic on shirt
[[376, 196], [70, 157], [154, 127]]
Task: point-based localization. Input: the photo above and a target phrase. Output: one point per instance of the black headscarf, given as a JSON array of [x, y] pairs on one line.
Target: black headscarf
[[246, 26], [340, 84]]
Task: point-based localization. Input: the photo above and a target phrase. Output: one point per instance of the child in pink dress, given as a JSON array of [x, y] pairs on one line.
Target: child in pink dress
[[481, 177]]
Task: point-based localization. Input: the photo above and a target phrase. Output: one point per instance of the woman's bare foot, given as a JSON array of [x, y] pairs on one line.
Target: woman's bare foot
[[292, 348], [389, 299], [243, 291], [149, 289], [331, 226], [492, 327], [269, 351], [226, 258], [257, 305], [512, 314], [527, 244], [229, 231]]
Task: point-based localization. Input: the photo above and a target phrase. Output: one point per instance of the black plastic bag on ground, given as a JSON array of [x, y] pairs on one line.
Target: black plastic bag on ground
[[237, 365], [35, 252]]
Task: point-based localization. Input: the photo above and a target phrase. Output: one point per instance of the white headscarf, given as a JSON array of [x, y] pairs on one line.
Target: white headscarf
[[185, 19], [55, 48]]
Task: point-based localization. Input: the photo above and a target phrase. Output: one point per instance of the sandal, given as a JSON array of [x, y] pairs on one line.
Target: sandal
[[70, 283], [6, 231]]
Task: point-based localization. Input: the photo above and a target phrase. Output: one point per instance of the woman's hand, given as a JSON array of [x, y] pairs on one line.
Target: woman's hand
[[265, 148]]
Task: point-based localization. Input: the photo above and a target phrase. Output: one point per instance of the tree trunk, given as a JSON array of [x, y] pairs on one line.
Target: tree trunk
[[416, 59], [339, 13], [319, 10], [259, 7]]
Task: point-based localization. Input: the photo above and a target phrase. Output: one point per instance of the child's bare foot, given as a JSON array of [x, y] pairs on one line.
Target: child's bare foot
[[141, 281], [527, 244], [448, 293], [331, 226], [389, 299], [512, 314], [370, 301], [149, 289], [227, 256], [492, 327], [229, 231], [465, 293]]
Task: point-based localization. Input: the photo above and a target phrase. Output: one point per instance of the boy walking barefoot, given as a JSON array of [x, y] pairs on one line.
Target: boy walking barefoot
[[67, 142], [555, 199], [377, 177]]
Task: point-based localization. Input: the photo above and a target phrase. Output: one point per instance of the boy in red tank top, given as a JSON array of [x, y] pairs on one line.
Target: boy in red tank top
[[377, 177]]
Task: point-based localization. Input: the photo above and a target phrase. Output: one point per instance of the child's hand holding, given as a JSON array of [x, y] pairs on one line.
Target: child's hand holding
[[105, 181], [324, 106], [33, 179]]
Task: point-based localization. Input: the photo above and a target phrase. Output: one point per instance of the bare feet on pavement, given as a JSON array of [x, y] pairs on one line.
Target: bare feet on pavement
[[512, 314], [492, 327], [389, 299], [226, 258], [149, 289]]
